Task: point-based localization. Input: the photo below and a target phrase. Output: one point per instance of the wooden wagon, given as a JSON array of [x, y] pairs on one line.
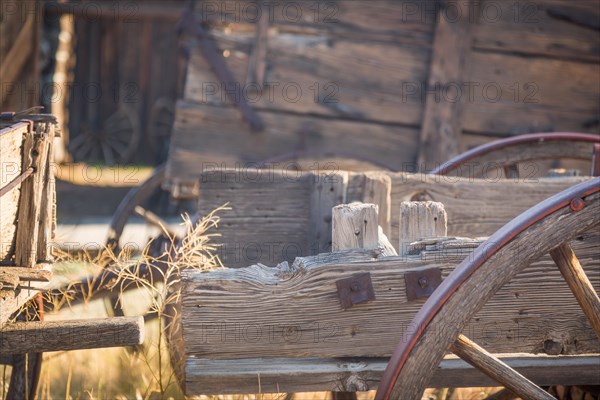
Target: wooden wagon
[[27, 225], [283, 316]]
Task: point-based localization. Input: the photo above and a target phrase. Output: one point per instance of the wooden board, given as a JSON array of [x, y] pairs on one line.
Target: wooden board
[[549, 28], [266, 312], [309, 375], [378, 66], [271, 217], [236, 317], [210, 136], [475, 207], [11, 141]]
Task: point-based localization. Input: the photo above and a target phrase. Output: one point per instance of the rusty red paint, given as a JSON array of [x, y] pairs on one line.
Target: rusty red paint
[[577, 204], [466, 268]]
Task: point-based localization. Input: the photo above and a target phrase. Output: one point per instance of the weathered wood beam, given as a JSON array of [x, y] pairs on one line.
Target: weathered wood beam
[[262, 311], [43, 336], [497, 370], [35, 154], [441, 127], [20, 51], [277, 375]]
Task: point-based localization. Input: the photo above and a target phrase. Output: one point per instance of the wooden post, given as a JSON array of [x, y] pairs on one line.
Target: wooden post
[[441, 127], [35, 154], [419, 220], [355, 227]]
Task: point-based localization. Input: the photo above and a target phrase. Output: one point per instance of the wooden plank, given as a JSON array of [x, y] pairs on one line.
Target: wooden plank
[[442, 124], [21, 50], [327, 190], [525, 88], [220, 127], [310, 75], [269, 217], [475, 207], [47, 216], [13, 301], [35, 151], [41, 272], [258, 311], [43, 336], [420, 220], [11, 141], [538, 28], [277, 375]]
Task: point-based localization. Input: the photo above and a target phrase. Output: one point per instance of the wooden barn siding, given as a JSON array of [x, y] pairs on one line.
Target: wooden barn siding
[[374, 55], [20, 27], [135, 61]]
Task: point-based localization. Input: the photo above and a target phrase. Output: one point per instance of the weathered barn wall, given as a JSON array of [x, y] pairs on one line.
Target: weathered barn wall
[[20, 25], [397, 82], [126, 79]]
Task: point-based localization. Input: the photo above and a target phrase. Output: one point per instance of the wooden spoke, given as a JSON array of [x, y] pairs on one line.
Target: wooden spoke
[[580, 285], [511, 171], [497, 370], [153, 219]]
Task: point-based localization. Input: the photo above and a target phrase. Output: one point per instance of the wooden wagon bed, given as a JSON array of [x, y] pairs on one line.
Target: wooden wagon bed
[[276, 322]]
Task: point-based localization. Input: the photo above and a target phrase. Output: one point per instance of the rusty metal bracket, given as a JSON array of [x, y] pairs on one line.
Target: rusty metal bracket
[[355, 290], [421, 284]]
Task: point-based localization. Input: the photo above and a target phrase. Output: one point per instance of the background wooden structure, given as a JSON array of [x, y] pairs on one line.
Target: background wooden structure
[[126, 77], [387, 77], [20, 29]]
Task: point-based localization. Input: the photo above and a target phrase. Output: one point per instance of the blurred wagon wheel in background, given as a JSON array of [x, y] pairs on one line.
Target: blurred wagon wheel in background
[[112, 142], [443, 317], [159, 127], [507, 154]]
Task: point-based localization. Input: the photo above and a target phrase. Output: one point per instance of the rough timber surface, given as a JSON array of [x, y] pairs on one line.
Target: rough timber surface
[[309, 375], [370, 70], [237, 318], [260, 311], [11, 141], [273, 218]]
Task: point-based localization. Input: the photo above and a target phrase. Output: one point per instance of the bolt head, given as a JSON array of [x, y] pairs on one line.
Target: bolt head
[[577, 204]]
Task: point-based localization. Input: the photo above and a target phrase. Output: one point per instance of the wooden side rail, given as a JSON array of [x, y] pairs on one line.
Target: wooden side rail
[[42, 336]]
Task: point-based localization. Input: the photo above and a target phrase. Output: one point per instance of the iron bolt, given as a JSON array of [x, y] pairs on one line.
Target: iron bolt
[[423, 282], [355, 287], [577, 204]]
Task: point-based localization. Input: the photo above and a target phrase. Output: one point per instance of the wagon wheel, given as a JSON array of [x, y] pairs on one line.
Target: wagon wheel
[[508, 153], [115, 142], [26, 368], [159, 127], [557, 220]]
